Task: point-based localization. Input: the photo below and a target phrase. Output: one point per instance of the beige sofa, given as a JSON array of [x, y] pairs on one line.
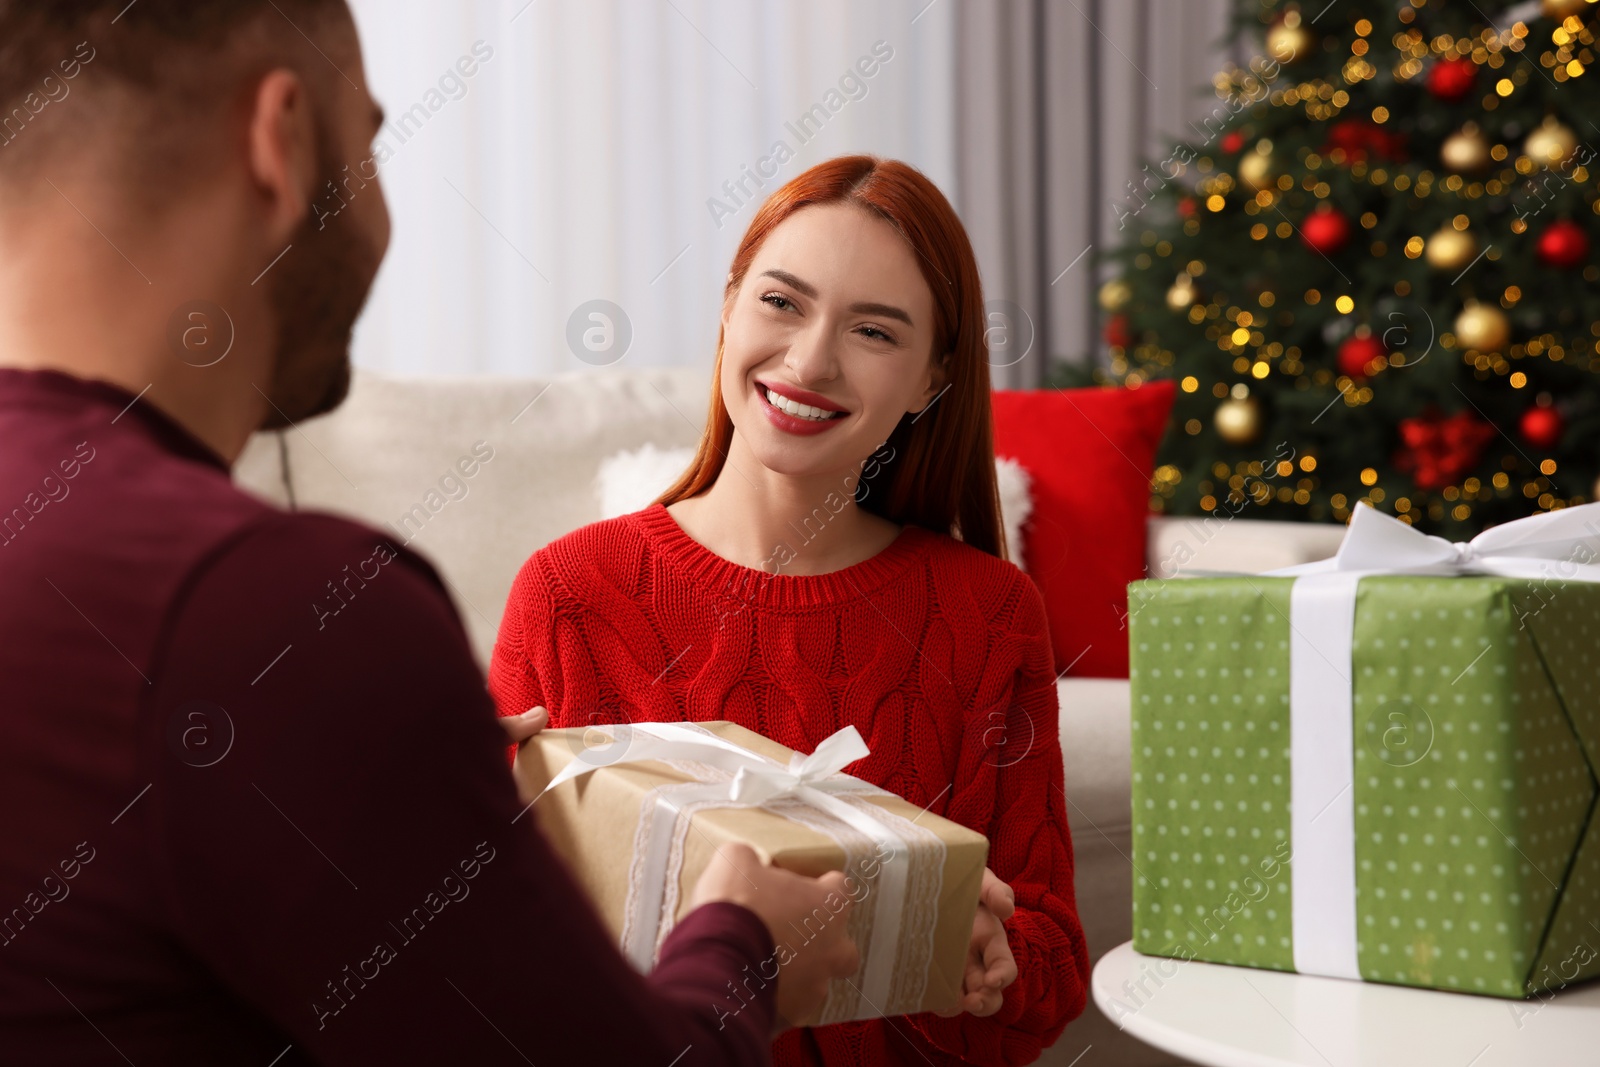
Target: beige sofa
[[391, 457]]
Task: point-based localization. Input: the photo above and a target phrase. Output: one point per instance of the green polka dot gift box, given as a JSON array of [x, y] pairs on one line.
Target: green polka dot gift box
[[1382, 766]]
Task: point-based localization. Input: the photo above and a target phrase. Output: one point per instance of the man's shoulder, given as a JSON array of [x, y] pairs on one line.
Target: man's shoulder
[[347, 595], [311, 550]]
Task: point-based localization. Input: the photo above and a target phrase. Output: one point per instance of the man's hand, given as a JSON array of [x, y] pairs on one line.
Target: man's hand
[[781, 898], [990, 966]]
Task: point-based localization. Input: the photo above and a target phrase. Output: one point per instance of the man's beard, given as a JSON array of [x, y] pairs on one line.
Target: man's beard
[[317, 293]]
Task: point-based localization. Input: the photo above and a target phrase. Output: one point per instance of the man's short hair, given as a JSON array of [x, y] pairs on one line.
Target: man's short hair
[[149, 65]]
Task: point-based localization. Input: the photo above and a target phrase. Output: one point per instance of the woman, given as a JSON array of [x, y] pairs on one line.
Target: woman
[[802, 576]]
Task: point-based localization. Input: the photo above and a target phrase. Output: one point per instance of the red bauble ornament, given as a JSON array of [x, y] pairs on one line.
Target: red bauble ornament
[[1357, 354], [1564, 244], [1542, 427], [1438, 451], [1119, 331], [1232, 142], [1325, 230], [1451, 79]]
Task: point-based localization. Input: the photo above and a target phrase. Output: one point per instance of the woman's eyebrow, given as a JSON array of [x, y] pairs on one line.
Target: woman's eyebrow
[[888, 311], [804, 288]]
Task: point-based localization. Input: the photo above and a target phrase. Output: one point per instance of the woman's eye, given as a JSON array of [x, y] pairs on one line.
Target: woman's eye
[[782, 303]]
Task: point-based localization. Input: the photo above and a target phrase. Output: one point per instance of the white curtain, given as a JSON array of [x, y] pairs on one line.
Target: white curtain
[[541, 155]]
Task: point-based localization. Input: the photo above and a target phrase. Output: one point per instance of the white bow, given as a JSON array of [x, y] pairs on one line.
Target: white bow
[[1522, 548], [755, 778], [754, 785]]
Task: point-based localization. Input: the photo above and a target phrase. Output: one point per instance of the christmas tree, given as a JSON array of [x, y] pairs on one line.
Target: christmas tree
[[1370, 274]]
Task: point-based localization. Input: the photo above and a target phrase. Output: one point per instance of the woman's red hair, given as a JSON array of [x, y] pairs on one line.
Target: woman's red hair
[[941, 475]]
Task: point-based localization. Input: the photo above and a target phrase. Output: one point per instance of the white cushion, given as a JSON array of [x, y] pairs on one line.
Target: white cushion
[[1016, 505], [630, 481]]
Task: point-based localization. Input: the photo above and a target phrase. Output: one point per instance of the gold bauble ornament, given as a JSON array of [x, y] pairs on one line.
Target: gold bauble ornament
[[1466, 151], [1551, 145], [1451, 249], [1256, 170], [1115, 294], [1183, 295], [1483, 327], [1238, 420], [1562, 9], [1288, 40]]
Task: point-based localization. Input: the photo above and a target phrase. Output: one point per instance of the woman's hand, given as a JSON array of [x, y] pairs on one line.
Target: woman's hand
[[521, 727], [990, 966]]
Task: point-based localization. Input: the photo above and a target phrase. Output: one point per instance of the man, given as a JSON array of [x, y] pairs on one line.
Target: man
[[233, 831]]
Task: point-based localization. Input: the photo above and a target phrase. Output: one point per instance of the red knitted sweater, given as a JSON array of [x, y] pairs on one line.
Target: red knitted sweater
[[935, 651]]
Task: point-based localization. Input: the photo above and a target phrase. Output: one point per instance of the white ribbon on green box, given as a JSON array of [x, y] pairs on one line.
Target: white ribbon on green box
[[1322, 610]]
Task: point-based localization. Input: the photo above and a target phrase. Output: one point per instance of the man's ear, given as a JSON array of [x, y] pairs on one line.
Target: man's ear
[[283, 149]]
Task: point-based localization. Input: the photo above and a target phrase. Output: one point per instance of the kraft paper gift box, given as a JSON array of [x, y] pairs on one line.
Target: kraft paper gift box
[[637, 811], [1381, 766]]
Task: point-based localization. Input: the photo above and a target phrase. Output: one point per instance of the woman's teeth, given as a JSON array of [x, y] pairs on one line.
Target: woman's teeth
[[803, 411]]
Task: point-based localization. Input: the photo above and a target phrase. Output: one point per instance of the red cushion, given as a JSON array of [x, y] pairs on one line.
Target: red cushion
[[1089, 454]]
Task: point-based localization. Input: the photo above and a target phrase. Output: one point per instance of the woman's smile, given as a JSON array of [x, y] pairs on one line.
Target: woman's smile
[[794, 417]]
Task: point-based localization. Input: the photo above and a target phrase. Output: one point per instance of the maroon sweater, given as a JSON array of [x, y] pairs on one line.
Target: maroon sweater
[[253, 802]]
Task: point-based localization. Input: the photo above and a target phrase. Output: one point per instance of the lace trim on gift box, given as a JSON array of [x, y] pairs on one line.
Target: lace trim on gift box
[[924, 883], [913, 952]]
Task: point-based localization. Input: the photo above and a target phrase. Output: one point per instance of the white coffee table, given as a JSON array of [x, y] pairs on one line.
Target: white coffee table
[[1224, 1016]]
